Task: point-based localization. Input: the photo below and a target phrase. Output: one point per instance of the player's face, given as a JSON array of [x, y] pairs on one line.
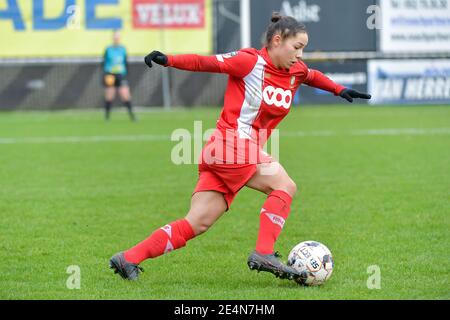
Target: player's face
[[289, 50]]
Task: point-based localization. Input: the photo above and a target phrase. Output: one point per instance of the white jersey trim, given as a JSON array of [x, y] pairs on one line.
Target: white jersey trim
[[219, 57], [252, 99]]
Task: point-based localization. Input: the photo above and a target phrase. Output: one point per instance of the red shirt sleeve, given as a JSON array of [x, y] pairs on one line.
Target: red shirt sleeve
[[237, 64], [317, 79]]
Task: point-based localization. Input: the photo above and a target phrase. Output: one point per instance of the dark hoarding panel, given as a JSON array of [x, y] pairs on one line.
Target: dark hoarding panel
[[331, 25]]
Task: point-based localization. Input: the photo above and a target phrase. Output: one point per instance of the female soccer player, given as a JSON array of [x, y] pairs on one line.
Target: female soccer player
[[115, 70], [258, 96]]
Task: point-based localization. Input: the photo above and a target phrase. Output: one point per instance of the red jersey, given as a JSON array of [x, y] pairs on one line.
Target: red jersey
[[258, 95]]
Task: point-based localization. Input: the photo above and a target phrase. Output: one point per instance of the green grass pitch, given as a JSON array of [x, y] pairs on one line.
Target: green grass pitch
[[374, 186]]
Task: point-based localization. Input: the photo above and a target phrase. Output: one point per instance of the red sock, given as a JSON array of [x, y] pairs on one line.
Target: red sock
[[170, 237], [273, 216]]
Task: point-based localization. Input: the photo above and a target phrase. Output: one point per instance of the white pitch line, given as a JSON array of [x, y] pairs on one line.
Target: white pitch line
[[404, 131], [80, 139], [287, 134], [371, 132]]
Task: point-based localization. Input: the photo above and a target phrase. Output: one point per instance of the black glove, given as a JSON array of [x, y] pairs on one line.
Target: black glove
[[157, 57], [349, 94]]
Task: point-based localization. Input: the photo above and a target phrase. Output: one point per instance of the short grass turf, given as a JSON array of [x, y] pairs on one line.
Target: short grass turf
[[373, 196]]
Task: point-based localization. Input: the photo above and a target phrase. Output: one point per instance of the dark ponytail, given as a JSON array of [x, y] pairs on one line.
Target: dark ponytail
[[285, 26], [275, 17]]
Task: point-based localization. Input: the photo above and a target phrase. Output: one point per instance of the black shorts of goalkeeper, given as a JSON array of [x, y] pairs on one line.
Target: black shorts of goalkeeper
[[114, 80]]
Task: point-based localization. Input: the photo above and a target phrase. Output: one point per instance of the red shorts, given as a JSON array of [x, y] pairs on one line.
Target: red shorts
[[226, 178]]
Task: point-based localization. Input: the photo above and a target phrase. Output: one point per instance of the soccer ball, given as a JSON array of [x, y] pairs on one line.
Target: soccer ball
[[315, 259]]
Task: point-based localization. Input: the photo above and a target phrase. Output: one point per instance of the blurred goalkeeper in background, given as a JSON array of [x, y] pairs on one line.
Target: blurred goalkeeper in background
[[115, 70]]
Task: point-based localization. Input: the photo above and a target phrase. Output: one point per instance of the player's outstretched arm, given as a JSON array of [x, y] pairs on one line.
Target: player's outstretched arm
[[317, 79], [188, 62], [237, 64]]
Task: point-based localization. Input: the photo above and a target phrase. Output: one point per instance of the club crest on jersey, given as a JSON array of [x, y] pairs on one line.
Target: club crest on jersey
[[292, 80], [277, 97]]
